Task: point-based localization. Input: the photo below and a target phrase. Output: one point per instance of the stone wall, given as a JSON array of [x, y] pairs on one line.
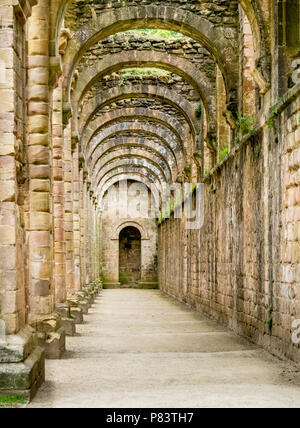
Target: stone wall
[[150, 105], [12, 169], [219, 12], [177, 45], [242, 267], [170, 81]]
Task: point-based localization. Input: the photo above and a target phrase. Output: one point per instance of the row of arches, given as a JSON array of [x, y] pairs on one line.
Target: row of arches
[[172, 101], [122, 122], [205, 139]]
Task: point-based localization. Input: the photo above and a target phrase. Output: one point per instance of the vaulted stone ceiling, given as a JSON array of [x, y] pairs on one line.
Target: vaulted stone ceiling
[[149, 94], [176, 59]]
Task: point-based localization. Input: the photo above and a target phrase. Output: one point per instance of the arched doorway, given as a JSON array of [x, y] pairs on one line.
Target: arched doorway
[[130, 255]]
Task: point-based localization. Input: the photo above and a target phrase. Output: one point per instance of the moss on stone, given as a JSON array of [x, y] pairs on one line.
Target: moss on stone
[[11, 401]]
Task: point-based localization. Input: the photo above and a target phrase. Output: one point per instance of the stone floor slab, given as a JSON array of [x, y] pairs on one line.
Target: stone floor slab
[[139, 348]]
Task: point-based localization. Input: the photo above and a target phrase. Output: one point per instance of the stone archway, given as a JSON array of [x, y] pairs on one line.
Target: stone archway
[[130, 256]]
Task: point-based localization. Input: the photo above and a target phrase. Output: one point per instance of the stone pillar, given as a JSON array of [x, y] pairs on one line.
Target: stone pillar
[[87, 230], [39, 222], [92, 231], [223, 131], [247, 59], [12, 297], [68, 214], [76, 217], [98, 244], [68, 323], [94, 248], [82, 230], [58, 196], [21, 360]]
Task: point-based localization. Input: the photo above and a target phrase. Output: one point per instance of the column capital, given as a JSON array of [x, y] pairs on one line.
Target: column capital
[[81, 161], [262, 73], [22, 7], [55, 70], [85, 175], [67, 113], [74, 141]]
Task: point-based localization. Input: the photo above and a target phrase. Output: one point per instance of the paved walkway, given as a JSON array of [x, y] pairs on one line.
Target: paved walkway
[[141, 349]]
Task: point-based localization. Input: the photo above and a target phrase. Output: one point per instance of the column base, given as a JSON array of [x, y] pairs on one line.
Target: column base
[[54, 344], [111, 285], [143, 285], [22, 365], [89, 295], [77, 314], [52, 337], [68, 324], [67, 320], [79, 302], [148, 285]]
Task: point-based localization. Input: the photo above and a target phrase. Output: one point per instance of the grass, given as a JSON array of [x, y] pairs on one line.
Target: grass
[[144, 72], [158, 34], [11, 401]]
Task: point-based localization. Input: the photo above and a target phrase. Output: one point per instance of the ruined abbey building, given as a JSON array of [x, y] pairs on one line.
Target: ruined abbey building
[[95, 93]]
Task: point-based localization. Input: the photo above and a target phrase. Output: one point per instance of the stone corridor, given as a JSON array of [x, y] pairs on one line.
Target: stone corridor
[[141, 349], [149, 147]]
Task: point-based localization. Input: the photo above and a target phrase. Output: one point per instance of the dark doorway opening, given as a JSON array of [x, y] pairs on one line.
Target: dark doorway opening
[[130, 253]]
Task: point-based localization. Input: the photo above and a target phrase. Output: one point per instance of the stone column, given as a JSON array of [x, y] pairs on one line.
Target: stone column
[[58, 196], [248, 95], [223, 131], [98, 242], [21, 360], [87, 230], [82, 230], [68, 214], [94, 242], [12, 295], [76, 217], [91, 236], [39, 222]]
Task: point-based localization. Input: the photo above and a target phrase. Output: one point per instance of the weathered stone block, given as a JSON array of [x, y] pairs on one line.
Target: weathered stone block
[[23, 378], [54, 344], [77, 314], [7, 191], [69, 325], [18, 347]]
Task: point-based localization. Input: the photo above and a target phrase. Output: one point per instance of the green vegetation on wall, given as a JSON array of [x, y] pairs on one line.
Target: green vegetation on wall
[[157, 34], [246, 124]]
